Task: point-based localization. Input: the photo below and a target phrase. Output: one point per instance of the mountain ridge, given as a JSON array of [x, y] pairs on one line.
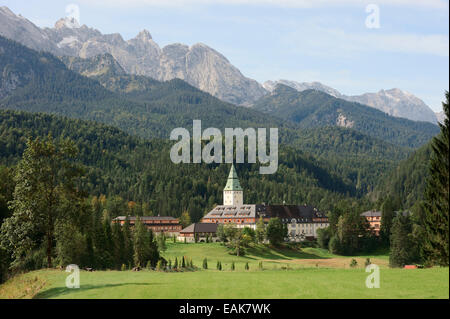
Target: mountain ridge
[[395, 102], [199, 65], [314, 108]]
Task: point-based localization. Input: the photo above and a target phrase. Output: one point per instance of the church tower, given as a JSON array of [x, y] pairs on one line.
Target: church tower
[[232, 193]]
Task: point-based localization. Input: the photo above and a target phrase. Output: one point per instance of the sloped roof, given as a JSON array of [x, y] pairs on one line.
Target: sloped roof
[[200, 228], [143, 218], [233, 181], [301, 213], [371, 213], [227, 211]]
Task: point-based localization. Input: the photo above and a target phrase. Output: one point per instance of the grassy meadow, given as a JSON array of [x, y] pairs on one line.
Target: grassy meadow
[[287, 274]]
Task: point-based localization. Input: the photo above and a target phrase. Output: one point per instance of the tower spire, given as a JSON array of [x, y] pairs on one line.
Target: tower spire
[[233, 181], [233, 193]]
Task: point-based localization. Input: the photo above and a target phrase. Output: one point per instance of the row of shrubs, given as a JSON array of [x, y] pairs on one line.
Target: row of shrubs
[[232, 266], [184, 264]]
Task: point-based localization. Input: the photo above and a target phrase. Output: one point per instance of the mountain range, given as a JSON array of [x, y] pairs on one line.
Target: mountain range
[[199, 65], [394, 102]]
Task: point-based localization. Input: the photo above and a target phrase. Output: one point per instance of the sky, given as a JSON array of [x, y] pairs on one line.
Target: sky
[[353, 46]]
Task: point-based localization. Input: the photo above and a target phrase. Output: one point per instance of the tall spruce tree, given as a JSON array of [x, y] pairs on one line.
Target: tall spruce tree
[[403, 247], [434, 246], [388, 209], [45, 180], [141, 244]]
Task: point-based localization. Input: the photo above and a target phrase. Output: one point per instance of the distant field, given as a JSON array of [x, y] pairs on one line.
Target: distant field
[[271, 258], [288, 274]]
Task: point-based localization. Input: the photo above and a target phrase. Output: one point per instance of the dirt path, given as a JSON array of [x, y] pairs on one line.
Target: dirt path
[[330, 262]]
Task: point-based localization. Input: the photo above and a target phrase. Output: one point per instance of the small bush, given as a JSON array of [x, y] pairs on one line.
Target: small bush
[[160, 265], [246, 266], [232, 266], [353, 263], [368, 262], [205, 263], [260, 265]]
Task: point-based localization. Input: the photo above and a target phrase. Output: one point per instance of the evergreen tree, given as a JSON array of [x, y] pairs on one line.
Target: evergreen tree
[[141, 243], [276, 231], [128, 241], [185, 219], [403, 247], [323, 237], [221, 233], [387, 215], [205, 263], [119, 245], [161, 239], [435, 244], [45, 179], [260, 230]]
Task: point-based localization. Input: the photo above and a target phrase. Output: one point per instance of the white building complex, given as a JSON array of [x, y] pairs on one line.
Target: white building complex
[[303, 221]]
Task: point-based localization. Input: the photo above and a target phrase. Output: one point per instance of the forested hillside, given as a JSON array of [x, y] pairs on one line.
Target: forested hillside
[[117, 164], [349, 153], [311, 108], [141, 106], [39, 82], [405, 184]]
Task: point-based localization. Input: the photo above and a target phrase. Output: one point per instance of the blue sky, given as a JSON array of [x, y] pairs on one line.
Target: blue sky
[[301, 40]]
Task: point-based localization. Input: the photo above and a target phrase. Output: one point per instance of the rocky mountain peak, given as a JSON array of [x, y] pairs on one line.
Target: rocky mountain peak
[[67, 22], [144, 35]]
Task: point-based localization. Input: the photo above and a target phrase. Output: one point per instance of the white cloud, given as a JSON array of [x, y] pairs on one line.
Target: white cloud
[[324, 42]]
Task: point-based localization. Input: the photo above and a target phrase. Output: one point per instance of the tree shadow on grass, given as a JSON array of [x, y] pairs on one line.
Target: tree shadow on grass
[[61, 291], [281, 253]]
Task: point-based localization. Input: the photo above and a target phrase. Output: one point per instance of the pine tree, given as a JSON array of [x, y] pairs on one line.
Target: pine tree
[[435, 244], [387, 215], [247, 266], [205, 263], [45, 181], [141, 242], [128, 241], [403, 247], [232, 266], [119, 245], [175, 265], [260, 230], [183, 263]]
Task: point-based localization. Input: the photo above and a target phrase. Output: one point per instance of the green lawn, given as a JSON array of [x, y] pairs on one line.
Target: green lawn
[[272, 258], [311, 273], [286, 284]]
